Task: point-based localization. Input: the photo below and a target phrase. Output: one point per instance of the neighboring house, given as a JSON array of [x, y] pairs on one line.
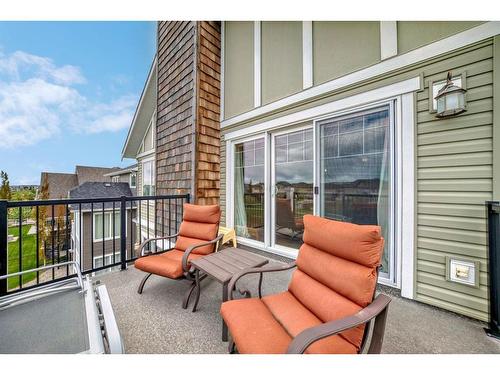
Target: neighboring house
[[274, 120], [95, 233], [58, 186], [141, 146], [127, 174]]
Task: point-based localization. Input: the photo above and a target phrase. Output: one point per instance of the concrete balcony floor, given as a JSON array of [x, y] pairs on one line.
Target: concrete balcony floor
[[155, 322]]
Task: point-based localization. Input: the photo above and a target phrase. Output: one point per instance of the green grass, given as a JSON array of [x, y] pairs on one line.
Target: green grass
[[29, 255]]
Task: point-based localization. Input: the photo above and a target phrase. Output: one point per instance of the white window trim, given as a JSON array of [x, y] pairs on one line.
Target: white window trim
[[130, 180], [355, 101], [148, 160], [402, 94], [388, 39], [117, 235], [257, 64], [307, 54], [445, 45]]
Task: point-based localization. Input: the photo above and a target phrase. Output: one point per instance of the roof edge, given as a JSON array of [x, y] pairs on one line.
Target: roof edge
[[139, 104]]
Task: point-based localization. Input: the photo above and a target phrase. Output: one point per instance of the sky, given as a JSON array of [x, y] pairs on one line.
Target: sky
[[68, 93]]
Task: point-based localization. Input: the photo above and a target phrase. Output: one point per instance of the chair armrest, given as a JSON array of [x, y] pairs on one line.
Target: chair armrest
[[376, 310], [246, 271], [143, 244], [188, 251]]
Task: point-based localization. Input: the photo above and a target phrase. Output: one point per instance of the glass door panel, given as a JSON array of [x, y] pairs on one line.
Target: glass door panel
[[293, 186], [249, 175], [355, 172]]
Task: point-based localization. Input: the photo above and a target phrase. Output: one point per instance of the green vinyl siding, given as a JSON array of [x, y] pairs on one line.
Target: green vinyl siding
[[454, 179], [238, 67], [281, 59], [343, 47], [414, 34]]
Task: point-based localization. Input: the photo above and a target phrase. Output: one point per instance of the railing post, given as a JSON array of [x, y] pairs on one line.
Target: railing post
[[188, 197], [123, 232], [494, 268], [3, 245]]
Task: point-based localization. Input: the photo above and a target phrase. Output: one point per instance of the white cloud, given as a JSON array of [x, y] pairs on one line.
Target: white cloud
[[38, 100]]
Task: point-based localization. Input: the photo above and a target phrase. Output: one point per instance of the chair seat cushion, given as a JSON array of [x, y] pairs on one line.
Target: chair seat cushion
[[253, 327], [267, 326], [168, 264], [295, 317]]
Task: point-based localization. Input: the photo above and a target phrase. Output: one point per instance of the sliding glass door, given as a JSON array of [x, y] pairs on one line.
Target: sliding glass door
[[355, 172], [292, 191], [340, 168]]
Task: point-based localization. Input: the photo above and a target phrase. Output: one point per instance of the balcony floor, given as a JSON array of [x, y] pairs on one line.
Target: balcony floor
[[155, 322]]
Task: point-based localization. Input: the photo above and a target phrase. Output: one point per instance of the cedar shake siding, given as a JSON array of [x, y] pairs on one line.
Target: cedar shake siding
[[207, 178], [188, 111]]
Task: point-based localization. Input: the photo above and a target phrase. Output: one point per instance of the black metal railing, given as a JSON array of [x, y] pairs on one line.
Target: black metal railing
[[99, 233], [494, 267]]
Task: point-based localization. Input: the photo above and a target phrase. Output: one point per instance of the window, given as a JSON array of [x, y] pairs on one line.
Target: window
[[115, 179], [104, 231], [249, 189], [108, 259], [148, 178], [133, 178]]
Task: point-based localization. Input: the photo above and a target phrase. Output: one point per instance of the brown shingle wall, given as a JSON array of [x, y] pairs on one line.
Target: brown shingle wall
[[175, 116], [188, 112], [208, 113], [174, 127]]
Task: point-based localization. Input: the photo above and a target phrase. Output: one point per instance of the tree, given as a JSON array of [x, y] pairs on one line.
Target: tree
[[5, 192]]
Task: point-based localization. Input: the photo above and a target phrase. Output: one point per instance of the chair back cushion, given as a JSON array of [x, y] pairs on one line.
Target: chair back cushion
[[336, 271], [199, 224]]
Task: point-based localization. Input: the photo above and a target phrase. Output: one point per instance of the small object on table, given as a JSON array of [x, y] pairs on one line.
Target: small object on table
[[221, 266], [229, 235]]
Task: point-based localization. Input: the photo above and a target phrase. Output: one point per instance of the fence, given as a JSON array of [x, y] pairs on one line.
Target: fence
[[99, 233]]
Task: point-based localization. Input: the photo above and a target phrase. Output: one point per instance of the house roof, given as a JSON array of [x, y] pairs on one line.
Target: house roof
[[92, 174], [94, 190], [57, 184], [130, 168], [142, 116]]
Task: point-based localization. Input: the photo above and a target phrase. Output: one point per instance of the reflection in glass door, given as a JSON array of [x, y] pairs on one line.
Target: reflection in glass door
[[293, 186], [249, 189], [355, 172]]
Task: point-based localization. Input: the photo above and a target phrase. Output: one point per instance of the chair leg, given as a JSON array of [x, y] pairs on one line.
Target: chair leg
[[187, 296], [141, 285], [231, 347], [198, 289]]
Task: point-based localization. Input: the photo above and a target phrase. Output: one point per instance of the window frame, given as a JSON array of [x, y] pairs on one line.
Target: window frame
[[94, 226], [152, 177], [134, 176]]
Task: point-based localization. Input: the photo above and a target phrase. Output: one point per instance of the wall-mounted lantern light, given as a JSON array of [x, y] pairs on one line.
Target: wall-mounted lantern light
[[450, 99]]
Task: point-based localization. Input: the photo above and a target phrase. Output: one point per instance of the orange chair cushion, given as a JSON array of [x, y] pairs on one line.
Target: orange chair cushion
[[201, 214], [352, 280], [167, 264], [199, 224], [362, 244], [295, 317], [325, 303], [267, 326], [253, 327]]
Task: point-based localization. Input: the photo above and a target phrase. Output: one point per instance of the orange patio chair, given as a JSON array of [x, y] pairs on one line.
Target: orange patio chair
[[329, 304], [196, 238]]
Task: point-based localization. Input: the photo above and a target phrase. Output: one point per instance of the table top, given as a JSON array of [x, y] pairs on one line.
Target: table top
[[223, 264]]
